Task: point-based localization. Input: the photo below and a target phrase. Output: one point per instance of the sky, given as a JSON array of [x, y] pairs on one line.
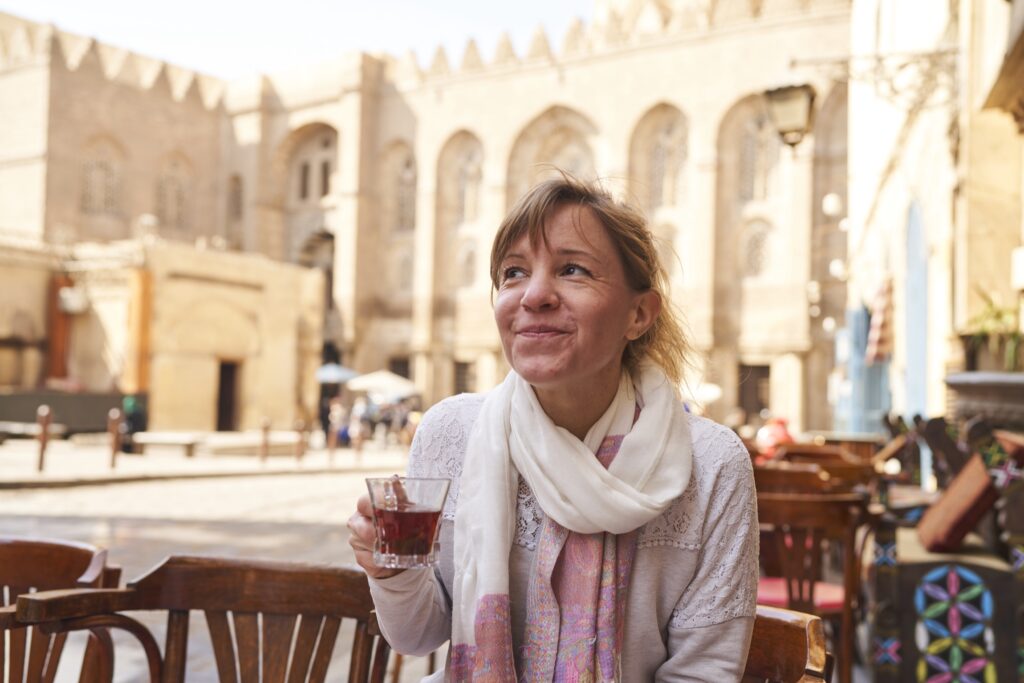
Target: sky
[[232, 39]]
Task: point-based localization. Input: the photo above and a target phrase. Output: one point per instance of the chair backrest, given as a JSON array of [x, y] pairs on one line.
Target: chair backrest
[[801, 524], [787, 647], [28, 565], [268, 621], [950, 459], [810, 452], [791, 477]]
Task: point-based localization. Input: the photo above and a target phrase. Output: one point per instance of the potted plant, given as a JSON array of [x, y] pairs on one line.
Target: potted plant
[[993, 384], [994, 339]]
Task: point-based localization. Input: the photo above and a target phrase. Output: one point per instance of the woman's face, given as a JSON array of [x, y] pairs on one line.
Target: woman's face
[[564, 310]]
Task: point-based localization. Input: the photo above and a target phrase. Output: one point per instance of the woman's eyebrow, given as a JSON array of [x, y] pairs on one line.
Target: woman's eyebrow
[[566, 251]]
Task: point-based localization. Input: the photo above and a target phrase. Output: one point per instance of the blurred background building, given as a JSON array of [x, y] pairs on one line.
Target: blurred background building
[[208, 244]]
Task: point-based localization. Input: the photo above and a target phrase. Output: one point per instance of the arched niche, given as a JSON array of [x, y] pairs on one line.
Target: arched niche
[[214, 327], [398, 178], [658, 152], [304, 172], [747, 208], [558, 139], [459, 186]]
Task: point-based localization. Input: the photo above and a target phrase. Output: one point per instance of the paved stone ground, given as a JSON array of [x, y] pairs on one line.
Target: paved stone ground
[[279, 511], [87, 460]]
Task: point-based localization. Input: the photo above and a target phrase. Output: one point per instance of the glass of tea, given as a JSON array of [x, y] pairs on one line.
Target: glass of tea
[[406, 512]]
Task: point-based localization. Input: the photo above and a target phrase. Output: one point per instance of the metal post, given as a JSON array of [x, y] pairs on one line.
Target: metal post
[[43, 419], [265, 439], [332, 441], [114, 430], [300, 441]]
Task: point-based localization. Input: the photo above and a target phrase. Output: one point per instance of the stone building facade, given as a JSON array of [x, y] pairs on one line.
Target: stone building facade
[[389, 179], [935, 195]]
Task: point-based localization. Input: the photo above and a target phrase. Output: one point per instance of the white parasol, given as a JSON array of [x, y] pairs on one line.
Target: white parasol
[[383, 386], [332, 373]]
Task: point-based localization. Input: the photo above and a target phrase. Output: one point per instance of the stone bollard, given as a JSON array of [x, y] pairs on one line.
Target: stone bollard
[[264, 439], [300, 440], [114, 430], [44, 417]]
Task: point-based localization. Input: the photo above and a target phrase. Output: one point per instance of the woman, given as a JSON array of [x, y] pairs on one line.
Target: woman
[[639, 564]]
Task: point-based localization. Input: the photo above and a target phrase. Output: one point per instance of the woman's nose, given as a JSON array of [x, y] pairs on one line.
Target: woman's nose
[[539, 294]]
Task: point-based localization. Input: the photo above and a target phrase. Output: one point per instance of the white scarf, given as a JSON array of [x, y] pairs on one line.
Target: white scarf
[[513, 437]]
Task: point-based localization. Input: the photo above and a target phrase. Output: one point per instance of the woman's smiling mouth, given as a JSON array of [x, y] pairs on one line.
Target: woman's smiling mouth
[[539, 331]]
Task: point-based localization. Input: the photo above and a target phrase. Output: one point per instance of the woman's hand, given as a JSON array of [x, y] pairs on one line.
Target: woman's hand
[[363, 537]]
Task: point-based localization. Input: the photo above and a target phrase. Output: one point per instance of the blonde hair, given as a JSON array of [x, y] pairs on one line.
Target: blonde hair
[[664, 342]]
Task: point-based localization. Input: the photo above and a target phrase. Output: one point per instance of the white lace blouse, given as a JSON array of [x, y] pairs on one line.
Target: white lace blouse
[[690, 606]]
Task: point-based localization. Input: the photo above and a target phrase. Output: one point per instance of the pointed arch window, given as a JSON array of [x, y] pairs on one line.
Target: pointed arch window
[[99, 187], [668, 151], [405, 193], [467, 264], [325, 178], [304, 180], [101, 180], [172, 196], [756, 248], [405, 272], [236, 198], [759, 153], [468, 191]]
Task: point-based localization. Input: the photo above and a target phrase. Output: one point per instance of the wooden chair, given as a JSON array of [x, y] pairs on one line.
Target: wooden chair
[[862, 446], [787, 647], [37, 565], [845, 471], [268, 621], [791, 477], [802, 525], [810, 452], [948, 456]]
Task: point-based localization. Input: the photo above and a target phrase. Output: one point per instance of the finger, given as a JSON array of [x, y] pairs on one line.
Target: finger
[[401, 497], [362, 527], [364, 507], [362, 539]]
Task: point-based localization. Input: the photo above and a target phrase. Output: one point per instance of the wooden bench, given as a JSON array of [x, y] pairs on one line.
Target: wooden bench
[[29, 429], [186, 440]]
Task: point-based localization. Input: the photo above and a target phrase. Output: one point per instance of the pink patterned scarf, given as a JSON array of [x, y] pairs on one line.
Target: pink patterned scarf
[[577, 599]]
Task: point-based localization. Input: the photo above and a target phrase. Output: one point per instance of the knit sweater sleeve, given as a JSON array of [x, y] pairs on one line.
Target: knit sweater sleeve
[[413, 607], [710, 629]]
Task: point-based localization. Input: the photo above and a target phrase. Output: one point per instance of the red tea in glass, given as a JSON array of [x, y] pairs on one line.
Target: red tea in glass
[[406, 512], [406, 532]]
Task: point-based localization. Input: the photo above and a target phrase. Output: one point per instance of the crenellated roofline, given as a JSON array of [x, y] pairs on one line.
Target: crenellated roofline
[[618, 25], [26, 43]]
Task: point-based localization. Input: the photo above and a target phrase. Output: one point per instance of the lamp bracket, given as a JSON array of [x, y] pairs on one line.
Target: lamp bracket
[[900, 77]]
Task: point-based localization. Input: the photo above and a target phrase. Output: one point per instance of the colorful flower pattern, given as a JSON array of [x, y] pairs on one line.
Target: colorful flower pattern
[[954, 631]]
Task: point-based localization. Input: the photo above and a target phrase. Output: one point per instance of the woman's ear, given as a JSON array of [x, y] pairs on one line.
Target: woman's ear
[[645, 312]]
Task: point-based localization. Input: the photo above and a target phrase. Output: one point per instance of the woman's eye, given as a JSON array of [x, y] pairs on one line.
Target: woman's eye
[[574, 269], [510, 273]]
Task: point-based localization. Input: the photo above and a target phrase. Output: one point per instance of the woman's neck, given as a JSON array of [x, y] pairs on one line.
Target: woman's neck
[[577, 408]]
